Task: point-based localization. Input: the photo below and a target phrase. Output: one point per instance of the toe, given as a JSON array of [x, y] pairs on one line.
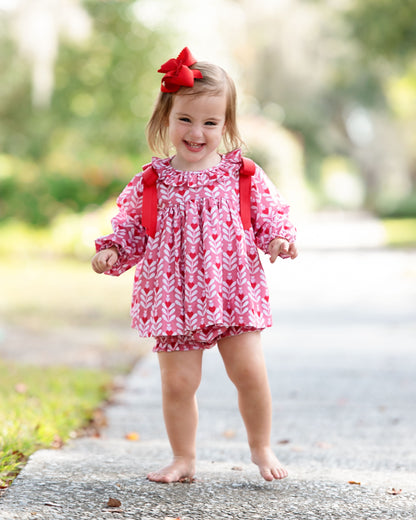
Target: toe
[[266, 474], [280, 473], [157, 477], [276, 473]]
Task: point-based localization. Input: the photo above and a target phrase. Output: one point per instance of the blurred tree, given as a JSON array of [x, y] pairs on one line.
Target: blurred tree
[[332, 85], [384, 28], [341, 75], [80, 149], [104, 89], [385, 32]]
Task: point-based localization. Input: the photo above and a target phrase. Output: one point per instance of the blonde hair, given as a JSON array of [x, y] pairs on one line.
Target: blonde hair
[[215, 81]]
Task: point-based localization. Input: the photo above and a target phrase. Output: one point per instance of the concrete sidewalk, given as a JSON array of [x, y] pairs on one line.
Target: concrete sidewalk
[[342, 367]]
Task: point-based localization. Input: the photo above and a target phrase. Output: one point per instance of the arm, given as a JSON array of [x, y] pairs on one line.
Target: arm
[[125, 247], [274, 232]]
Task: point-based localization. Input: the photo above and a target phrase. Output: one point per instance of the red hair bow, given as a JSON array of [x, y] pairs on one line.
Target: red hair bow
[[177, 72]]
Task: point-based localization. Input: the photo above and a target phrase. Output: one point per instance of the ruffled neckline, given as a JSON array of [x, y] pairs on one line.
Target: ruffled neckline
[[229, 164]]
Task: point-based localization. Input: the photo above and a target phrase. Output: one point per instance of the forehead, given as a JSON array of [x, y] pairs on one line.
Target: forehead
[[203, 104]]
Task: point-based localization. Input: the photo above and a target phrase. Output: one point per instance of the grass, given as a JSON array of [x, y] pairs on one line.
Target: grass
[[64, 335], [42, 408], [400, 232], [62, 312]]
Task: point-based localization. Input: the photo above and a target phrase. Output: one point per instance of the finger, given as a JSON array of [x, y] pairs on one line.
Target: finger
[[94, 263], [274, 252], [112, 259], [284, 249], [103, 265], [97, 267], [293, 251], [99, 263]]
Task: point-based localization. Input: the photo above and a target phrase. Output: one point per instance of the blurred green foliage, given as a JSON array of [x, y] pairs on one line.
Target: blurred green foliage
[[343, 77], [384, 28], [37, 193], [84, 147], [103, 93]]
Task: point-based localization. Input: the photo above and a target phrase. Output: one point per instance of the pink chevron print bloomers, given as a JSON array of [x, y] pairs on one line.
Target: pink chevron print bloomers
[[200, 278]]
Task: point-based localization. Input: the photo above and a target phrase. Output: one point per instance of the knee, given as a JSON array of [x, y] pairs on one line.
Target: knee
[[179, 385], [245, 380], [249, 377]]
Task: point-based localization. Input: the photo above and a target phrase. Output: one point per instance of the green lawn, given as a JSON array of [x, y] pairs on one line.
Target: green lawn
[[58, 308], [44, 403], [43, 408]]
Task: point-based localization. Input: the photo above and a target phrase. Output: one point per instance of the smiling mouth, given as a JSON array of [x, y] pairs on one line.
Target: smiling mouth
[[194, 146]]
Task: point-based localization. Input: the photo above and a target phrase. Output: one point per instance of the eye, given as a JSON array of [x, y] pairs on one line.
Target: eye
[[185, 119], [211, 123]]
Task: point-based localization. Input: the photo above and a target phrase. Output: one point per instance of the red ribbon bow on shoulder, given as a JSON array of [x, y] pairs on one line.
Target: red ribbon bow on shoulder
[[177, 72]]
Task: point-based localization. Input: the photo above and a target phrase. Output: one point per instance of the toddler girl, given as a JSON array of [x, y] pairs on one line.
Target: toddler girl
[[193, 225]]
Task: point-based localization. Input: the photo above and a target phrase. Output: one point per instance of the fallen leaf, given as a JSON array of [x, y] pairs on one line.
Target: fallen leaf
[[99, 419], [113, 502], [229, 434], [283, 441], [132, 436], [354, 482], [57, 442], [19, 456], [114, 510], [172, 518], [394, 491], [237, 468], [52, 504], [92, 428]]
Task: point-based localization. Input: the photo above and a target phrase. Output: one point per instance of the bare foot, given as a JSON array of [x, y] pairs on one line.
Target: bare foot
[[269, 466], [180, 468]]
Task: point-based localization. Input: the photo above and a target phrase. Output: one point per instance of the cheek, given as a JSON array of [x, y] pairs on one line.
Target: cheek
[[172, 129]]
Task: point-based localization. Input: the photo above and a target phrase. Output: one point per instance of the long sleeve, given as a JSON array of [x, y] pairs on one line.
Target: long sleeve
[[128, 235], [270, 213]]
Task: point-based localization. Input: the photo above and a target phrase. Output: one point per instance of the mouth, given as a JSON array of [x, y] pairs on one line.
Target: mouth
[[194, 147]]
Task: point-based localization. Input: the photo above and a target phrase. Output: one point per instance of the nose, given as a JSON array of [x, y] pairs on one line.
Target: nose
[[196, 131]]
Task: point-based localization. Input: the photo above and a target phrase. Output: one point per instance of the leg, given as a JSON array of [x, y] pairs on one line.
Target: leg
[[181, 375], [245, 365]]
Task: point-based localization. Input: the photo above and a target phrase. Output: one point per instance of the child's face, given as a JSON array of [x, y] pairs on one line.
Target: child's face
[[196, 126]]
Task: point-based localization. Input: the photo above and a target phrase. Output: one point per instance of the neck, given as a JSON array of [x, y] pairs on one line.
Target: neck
[[184, 166]]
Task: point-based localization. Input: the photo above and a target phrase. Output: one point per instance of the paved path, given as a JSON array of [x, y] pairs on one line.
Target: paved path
[[342, 365]]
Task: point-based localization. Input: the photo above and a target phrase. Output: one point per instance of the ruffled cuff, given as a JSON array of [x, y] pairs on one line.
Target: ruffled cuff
[[124, 261], [271, 230]]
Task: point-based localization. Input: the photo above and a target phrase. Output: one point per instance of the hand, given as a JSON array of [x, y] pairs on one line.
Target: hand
[[281, 247], [104, 260]]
